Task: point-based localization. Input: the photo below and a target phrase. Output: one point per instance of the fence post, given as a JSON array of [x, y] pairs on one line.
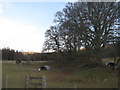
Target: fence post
[[27, 81], [43, 82], [6, 83], [75, 85]]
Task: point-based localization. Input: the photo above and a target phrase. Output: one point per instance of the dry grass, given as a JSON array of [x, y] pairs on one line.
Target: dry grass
[[60, 76]]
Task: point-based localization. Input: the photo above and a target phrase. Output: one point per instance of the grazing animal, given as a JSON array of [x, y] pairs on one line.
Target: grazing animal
[[19, 62], [114, 65], [45, 67], [110, 64]]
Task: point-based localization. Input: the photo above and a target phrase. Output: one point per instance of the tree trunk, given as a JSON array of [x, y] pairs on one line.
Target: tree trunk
[[99, 57]]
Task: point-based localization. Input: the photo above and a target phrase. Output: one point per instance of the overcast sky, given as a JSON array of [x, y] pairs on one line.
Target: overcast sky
[[23, 24]]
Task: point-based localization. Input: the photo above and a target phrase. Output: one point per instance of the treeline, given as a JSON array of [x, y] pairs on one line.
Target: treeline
[[11, 54], [91, 25], [111, 51]]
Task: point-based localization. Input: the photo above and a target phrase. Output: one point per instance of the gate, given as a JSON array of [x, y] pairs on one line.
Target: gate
[[35, 82]]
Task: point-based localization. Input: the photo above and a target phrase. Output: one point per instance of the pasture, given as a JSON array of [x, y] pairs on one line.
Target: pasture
[[71, 75]]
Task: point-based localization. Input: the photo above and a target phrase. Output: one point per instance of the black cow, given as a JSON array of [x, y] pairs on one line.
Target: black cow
[[45, 67], [110, 64]]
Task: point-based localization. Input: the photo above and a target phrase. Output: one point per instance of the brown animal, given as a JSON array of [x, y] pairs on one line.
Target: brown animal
[[19, 62]]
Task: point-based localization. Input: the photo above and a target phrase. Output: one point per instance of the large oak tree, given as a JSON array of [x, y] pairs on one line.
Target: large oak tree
[[85, 24]]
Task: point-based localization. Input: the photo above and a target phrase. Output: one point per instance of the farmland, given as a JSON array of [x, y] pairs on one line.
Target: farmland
[[70, 75]]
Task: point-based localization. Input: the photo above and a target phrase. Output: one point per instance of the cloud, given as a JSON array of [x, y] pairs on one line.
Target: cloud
[[20, 36], [1, 10], [1, 7]]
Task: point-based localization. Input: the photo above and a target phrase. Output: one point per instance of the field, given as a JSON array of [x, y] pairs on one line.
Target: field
[[71, 75]]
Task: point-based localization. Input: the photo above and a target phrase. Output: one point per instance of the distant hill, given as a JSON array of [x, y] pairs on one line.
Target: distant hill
[[25, 53]]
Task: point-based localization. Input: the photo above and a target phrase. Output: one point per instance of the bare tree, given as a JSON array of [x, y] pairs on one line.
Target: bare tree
[[101, 17], [85, 24], [52, 39]]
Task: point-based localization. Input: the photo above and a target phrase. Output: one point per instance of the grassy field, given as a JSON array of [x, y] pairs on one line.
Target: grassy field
[[60, 76]]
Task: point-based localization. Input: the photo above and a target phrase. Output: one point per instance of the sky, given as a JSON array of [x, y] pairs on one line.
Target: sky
[[23, 24]]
